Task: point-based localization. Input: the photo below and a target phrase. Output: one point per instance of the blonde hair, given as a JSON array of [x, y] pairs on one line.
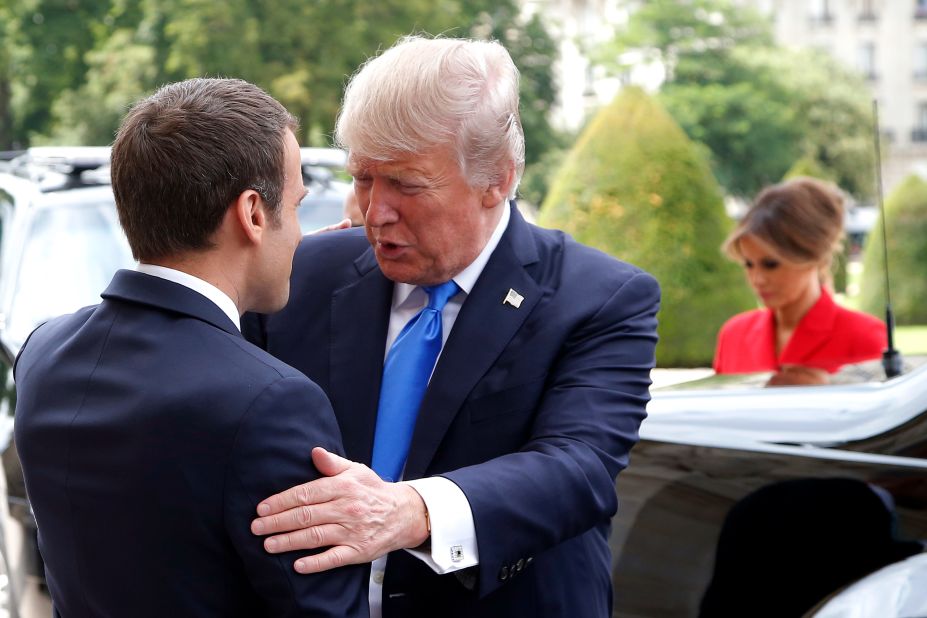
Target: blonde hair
[[424, 93], [801, 218]]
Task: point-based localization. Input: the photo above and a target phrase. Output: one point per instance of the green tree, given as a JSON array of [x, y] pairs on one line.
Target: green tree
[[636, 187], [756, 106], [119, 74], [48, 40], [906, 229], [65, 81]]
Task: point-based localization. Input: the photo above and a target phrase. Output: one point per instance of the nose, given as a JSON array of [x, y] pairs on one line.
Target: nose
[[380, 204], [756, 277]]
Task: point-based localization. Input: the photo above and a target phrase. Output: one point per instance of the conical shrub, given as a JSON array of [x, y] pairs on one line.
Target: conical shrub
[[906, 227], [637, 188]]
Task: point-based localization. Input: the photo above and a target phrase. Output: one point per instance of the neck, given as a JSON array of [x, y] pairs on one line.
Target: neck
[[788, 316], [213, 269]]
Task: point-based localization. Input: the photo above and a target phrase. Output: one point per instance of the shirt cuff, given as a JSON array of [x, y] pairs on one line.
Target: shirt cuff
[[453, 534]]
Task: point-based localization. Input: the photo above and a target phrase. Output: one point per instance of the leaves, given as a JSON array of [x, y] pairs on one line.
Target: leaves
[[637, 188], [758, 107], [69, 68]]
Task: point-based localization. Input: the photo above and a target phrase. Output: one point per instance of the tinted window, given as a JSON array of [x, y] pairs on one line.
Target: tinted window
[[68, 257]]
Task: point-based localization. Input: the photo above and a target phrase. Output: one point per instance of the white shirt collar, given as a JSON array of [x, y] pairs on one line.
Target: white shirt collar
[[466, 278], [217, 296]]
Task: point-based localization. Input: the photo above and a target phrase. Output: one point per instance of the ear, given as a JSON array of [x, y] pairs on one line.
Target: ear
[[248, 213], [495, 194]]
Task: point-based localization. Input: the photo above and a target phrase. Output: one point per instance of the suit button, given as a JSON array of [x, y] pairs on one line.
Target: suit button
[[520, 564], [504, 573]]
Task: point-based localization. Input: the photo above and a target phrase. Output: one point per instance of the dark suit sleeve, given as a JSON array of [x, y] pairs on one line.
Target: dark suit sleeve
[[562, 481], [272, 453]]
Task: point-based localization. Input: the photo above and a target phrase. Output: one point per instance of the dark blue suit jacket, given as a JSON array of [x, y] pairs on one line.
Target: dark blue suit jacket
[[148, 431], [531, 410]]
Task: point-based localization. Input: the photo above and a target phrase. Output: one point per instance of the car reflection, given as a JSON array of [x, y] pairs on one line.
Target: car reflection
[[705, 449]]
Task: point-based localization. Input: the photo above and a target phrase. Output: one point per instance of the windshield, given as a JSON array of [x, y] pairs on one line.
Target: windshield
[[68, 257]]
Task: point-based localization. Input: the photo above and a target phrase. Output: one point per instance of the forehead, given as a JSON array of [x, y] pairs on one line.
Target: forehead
[[429, 163]]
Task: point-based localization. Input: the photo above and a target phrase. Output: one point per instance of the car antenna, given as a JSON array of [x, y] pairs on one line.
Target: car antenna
[[891, 358]]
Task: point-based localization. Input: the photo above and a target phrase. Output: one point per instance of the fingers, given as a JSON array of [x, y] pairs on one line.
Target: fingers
[[307, 538], [313, 492], [329, 559], [295, 518], [329, 464], [341, 225]]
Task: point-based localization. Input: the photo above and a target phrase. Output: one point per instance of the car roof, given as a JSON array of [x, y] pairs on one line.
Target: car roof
[[811, 415]]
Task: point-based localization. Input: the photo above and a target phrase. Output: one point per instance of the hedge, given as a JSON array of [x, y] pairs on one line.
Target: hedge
[[906, 227], [637, 188]]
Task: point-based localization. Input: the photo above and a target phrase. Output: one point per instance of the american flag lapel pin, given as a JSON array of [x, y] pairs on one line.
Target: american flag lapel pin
[[513, 298]]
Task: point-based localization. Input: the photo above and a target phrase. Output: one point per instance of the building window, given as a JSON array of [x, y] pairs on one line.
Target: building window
[[867, 11], [920, 61], [919, 133], [920, 9], [866, 60], [821, 13]]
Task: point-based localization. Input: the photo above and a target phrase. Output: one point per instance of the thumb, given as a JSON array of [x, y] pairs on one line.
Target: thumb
[[328, 463]]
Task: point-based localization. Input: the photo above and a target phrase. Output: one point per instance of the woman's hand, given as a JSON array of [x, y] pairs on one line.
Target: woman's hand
[[798, 375]]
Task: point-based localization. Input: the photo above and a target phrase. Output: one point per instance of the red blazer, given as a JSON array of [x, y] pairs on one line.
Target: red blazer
[[827, 337]]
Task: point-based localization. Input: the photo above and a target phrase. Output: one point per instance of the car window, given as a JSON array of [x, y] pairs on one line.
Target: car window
[[317, 212], [68, 257], [6, 210]]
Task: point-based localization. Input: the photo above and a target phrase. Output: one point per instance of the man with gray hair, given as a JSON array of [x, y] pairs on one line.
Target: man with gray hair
[[499, 370]]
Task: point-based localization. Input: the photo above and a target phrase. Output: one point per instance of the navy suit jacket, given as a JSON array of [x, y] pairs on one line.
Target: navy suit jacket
[[531, 411], [148, 431]]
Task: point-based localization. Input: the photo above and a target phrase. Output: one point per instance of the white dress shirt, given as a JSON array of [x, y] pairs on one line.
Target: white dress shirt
[[217, 296], [453, 533]]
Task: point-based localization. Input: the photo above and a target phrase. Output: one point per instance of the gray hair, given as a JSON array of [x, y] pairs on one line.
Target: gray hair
[[424, 93]]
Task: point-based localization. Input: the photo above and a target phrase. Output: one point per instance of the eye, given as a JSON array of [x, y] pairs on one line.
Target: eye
[[748, 264], [406, 187], [362, 180], [409, 189], [769, 264]]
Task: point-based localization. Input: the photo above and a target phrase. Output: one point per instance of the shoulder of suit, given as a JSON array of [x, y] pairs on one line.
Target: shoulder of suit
[[742, 321], [53, 327], [867, 331]]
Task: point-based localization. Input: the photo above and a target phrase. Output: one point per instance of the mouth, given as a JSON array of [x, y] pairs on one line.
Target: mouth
[[389, 249]]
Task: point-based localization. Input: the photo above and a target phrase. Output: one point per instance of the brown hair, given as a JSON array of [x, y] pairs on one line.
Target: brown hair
[[801, 218], [183, 155]]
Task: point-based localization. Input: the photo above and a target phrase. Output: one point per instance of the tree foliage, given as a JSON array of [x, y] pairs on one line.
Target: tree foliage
[[69, 69], [636, 187], [906, 229], [757, 107]]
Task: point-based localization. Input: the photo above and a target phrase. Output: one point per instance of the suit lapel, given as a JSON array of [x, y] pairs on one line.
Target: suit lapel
[[814, 331], [481, 332], [360, 318]]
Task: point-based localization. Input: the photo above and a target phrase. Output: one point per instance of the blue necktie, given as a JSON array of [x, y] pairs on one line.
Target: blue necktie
[[408, 367]]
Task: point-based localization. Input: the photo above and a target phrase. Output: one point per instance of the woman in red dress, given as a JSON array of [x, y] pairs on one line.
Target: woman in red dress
[[786, 243]]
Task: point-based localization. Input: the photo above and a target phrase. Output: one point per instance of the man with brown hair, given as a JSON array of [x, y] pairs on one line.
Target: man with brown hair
[[148, 428]]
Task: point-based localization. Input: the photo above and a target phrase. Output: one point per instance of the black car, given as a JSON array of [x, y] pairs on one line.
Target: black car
[[60, 243], [748, 501]]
